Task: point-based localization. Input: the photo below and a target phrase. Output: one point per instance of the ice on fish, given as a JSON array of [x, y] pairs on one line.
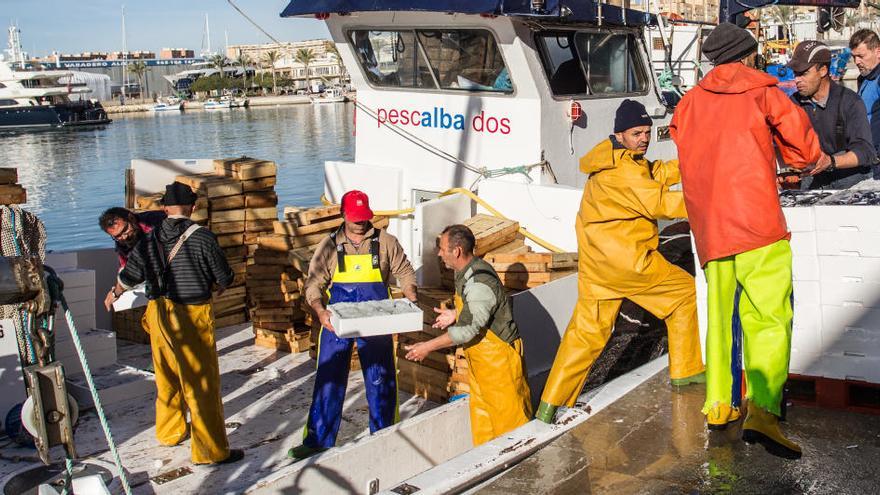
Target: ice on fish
[[373, 308]]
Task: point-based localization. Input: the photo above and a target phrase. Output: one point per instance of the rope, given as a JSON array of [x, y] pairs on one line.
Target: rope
[[460, 190], [91, 382], [68, 476]]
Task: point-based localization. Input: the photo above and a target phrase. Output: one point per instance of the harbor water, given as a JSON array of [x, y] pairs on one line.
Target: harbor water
[[71, 176]]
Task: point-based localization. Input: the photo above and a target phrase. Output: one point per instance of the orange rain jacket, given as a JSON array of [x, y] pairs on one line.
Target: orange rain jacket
[[725, 128]]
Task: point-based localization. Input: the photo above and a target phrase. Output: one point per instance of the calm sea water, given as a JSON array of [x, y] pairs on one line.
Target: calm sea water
[[72, 176]]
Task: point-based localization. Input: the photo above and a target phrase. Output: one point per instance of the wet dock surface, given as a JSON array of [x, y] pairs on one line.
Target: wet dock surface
[[654, 441]]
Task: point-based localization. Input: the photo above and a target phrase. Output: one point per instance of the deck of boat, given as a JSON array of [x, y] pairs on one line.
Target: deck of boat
[[266, 395], [654, 441]]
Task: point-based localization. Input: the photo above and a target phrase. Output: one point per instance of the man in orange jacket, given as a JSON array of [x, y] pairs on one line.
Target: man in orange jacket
[[728, 170]]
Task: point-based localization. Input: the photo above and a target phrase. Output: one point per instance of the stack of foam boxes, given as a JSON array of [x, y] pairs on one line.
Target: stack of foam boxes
[[848, 244], [836, 272], [806, 328], [79, 291]]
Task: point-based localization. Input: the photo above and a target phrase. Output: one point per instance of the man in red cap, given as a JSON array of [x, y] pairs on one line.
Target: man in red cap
[[354, 264]]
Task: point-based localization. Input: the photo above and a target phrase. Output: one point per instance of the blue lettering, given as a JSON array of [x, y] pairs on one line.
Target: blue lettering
[[426, 119], [459, 122]]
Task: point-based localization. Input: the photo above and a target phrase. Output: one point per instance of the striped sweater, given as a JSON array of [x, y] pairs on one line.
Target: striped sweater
[[198, 265]]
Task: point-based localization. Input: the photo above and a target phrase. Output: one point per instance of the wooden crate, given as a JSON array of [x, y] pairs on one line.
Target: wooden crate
[[491, 232], [127, 325]]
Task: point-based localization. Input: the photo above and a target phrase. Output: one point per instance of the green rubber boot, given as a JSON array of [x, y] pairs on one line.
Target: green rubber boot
[[546, 412], [301, 452], [689, 380]]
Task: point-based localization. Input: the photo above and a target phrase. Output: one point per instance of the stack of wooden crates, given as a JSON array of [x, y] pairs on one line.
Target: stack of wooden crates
[[11, 193]]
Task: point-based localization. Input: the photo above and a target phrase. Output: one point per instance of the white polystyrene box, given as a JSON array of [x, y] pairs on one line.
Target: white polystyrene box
[[806, 331], [803, 243], [849, 269], [77, 278], [82, 322], [806, 293], [61, 261], [843, 367], [805, 268], [840, 321], [851, 218], [851, 294], [365, 319], [849, 243], [134, 298], [799, 219], [79, 294]]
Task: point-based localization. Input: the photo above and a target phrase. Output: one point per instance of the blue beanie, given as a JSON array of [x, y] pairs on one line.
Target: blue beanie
[[631, 114]]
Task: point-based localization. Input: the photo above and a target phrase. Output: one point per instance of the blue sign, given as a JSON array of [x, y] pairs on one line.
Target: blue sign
[[105, 64]]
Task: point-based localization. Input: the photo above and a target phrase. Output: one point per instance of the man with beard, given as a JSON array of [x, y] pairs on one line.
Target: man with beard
[[865, 46], [126, 228]]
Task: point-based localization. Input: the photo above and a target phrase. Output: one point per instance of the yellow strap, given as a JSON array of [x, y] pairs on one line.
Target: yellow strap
[[460, 190]]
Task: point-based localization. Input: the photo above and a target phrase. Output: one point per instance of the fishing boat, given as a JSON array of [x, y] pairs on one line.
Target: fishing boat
[[217, 105], [487, 106], [332, 95], [171, 104]]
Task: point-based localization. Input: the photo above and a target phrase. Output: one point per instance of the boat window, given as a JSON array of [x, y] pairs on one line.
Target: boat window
[[562, 64], [392, 59], [457, 59], [8, 103], [592, 63], [466, 59]]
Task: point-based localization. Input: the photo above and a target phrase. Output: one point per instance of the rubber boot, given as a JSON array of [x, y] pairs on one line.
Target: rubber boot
[[688, 380], [546, 412], [720, 415], [301, 452], [762, 426]]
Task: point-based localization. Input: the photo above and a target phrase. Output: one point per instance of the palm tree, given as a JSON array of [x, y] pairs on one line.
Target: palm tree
[[305, 57], [333, 50], [218, 62], [139, 69], [243, 61], [269, 58], [784, 14]]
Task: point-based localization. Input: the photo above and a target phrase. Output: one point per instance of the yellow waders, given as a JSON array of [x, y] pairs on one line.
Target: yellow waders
[[673, 300], [187, 377], [499, 393]]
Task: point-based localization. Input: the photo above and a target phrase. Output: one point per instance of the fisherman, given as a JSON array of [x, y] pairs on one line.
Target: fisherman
[[126, 228], [354, 264], [482, 322], [728, 170], [617, 236], [180, 263], [865, 46], [838, 117]]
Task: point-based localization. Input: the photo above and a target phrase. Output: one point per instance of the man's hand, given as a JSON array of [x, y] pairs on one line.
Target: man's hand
[[445, 317], [109, 300], [418, 352], [324, 318], [821, 165]]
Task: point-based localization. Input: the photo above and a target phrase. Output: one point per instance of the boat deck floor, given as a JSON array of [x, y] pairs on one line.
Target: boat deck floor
[[654, 441], [266, 396]]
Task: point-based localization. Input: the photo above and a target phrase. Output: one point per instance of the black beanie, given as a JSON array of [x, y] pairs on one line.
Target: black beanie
[[631, 114], [178, 194], [728, 43]]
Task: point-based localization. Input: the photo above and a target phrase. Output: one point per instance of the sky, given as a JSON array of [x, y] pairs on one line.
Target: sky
[[73, 26]]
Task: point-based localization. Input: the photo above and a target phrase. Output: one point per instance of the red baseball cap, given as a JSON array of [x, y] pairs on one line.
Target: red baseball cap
[[356, 206]]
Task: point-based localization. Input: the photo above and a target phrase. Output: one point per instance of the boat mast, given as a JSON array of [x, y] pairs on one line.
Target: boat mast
[[124, 48], [208, 33]]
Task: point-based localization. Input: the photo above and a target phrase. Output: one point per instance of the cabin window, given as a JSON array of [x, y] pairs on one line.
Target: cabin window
[[457, 60], [8, 103], [592, 63]]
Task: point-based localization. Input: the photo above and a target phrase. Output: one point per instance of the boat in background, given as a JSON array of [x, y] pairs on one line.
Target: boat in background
[[332, 95], [217, 105], [235, 101], [171, 104]]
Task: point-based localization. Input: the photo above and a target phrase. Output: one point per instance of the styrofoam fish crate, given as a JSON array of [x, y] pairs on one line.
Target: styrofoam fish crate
[[131, 299], [82, 322], [61, 261], [803, 244], [843, 367], [846, 218], [849, 243], [851, 294], [799, 219], [99, 347], [805, 268], [364, 319], [77, 278], [839, 321], [849, 269], [79, 294]]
